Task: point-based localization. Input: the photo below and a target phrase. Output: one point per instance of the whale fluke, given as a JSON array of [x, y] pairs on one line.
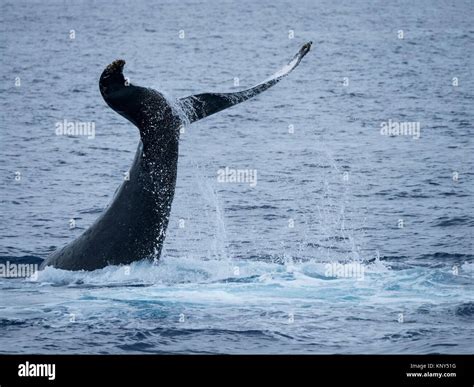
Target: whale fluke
[[203, 105], [133, 227]]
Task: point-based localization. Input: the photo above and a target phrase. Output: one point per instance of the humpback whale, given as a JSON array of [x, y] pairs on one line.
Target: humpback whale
[[133, 226]]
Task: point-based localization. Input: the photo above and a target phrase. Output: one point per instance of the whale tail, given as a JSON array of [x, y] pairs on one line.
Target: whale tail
[[203, 105]]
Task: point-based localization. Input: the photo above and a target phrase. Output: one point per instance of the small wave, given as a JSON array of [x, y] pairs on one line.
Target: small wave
[[455, 221], [251, 207], [25, 259], [465, 310], [5, 322]]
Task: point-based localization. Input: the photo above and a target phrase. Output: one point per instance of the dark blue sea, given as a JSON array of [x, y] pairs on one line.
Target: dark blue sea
[[247, 268]]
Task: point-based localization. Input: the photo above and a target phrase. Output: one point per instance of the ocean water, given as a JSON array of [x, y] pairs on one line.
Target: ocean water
[[245, 269]]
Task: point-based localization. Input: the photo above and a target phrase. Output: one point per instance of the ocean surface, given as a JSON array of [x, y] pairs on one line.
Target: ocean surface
[[245, 266]]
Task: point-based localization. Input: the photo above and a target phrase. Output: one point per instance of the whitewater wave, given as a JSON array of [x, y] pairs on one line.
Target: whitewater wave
[[175, 271]]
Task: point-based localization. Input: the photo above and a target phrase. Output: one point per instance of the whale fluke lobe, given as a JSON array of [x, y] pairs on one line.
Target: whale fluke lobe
[[203, 105], [133, 227]]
